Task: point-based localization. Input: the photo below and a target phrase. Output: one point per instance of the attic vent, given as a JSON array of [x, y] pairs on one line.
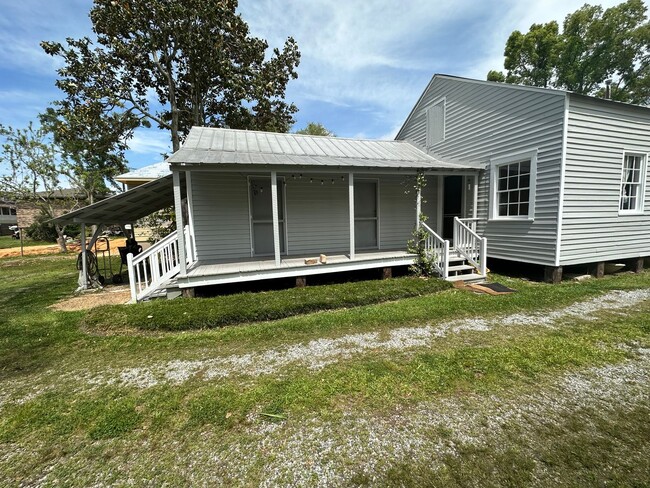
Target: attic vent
[[436, 123]]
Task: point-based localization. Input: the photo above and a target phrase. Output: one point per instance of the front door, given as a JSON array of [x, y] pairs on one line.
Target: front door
[[262, 215], [452, 205], [366, 215]]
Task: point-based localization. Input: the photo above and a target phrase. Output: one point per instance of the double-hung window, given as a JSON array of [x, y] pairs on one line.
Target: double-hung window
[[632, 183], [512, 187]]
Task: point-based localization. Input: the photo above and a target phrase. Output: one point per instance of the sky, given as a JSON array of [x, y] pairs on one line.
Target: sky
[[364, 63]]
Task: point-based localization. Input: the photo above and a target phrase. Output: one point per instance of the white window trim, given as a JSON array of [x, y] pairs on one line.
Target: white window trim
[[429, 111], [513, 158], [642, 177]]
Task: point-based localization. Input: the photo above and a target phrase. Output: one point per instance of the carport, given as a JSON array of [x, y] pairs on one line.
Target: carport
[[122, 209]]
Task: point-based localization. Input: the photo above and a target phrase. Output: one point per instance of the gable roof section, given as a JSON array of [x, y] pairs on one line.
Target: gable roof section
[[210, 146], [459, 79], [509, 86]]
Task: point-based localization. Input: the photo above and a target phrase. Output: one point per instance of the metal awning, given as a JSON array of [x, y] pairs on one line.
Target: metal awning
[[126, 207]]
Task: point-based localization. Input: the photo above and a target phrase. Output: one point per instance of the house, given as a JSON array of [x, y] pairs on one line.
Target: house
[[518, 173], [565, 174], [7, 216], [57, 201], [137, 177]]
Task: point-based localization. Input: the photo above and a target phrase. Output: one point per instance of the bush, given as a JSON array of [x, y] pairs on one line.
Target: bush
[[42, 230], [204, 313]]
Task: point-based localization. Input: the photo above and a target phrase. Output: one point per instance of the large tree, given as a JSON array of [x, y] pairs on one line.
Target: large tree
[[315, 129], [174, 64], [34, 169], [595, 45]]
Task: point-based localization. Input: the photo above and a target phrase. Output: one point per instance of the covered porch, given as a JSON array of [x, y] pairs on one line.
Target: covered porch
[[253, 205]]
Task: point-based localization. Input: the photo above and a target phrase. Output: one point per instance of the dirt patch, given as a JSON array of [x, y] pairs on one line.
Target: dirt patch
[[14, 252], [113, 295]]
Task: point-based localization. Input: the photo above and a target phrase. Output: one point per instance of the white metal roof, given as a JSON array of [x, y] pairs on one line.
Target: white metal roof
[[146, 173], [206, 146]]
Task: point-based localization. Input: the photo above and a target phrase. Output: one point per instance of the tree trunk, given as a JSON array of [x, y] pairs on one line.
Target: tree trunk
[[173, 104], [60, 239]]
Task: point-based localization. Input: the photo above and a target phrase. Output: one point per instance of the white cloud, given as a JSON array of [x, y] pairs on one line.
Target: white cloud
[[364, 64], [148, 141], [26, 23]]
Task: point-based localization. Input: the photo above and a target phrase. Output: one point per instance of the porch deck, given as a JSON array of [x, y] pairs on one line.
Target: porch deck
[[207, 273]]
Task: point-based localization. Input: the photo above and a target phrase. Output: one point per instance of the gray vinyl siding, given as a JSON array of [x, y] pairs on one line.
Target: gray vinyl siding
[[486, 121], [317, 215], [592, 229], [221, 221]]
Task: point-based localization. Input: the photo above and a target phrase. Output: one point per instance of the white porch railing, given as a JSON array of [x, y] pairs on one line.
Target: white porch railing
[[437, 247], [470, 245], [151, 269]]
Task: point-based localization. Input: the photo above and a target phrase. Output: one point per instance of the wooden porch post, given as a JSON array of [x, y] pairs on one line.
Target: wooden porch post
[[351, 206], [180, 225], [276, 220], [84, 257], [190, 212], [418, 207]]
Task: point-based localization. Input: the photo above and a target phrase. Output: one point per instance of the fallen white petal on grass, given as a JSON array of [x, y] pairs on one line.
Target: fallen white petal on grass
[[318, 353]]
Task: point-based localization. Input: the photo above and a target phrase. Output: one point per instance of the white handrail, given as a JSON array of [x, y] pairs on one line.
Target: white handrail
[[470, 245], [150, 269], [470, 222], [438, 248]]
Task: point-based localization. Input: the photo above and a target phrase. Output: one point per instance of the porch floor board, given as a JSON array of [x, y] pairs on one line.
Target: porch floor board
[[256, 265]]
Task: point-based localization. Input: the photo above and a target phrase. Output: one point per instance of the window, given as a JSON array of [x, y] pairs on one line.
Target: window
[[436, 122], [632, 183], [513, 187]]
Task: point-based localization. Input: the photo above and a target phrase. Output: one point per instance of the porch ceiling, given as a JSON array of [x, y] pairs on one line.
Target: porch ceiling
[[229, 147], [126, 207]]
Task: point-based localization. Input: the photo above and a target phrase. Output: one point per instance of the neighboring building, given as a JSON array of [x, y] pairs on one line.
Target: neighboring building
[[518, 173], [139, 176], [7, 216], [61, 201]]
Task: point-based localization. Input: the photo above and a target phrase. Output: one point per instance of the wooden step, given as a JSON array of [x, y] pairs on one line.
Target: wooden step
[[460, 267], [454, 258], [472, 277]]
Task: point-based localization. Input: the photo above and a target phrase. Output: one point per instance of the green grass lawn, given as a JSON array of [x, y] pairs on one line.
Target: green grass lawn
[[7, 242], [389, 383]]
